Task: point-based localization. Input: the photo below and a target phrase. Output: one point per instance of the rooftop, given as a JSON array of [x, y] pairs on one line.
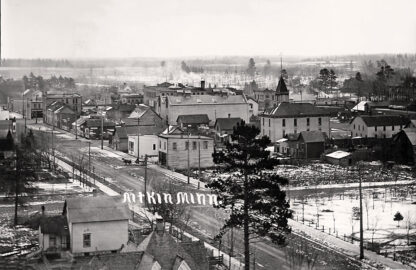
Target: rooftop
[[228, 123], [384, 120], [286, 109], [56, 225], [338, 154], [281, 86], [206, 99], [193, 119], [312, 136], [96, 209]]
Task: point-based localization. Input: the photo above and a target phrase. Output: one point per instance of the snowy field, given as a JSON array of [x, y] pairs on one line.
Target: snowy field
[[335, 214]]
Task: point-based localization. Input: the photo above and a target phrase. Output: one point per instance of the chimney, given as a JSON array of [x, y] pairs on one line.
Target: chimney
[[202, 84], [160, 226]]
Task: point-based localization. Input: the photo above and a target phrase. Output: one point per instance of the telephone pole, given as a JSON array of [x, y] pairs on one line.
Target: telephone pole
[[361, 215], [89, 157], [138, 138], [189, 146], [102, 132]]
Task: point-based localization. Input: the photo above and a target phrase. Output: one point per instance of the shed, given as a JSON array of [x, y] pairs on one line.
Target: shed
[[339, 158]]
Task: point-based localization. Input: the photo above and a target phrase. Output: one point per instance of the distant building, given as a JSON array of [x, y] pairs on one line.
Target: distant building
[[119, 111], [131, 99], [225, 127], [192, 121], [304, 145], [97, 224], [60, 115], [377, 126], [339, 158], [288, 118], [253, 106], [90, 128], [152, 93], [72, 100], [215, 106], [267, 98], [176, 149]]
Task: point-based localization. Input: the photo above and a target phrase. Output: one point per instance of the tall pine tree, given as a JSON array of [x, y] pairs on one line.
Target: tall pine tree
[[252, 191]]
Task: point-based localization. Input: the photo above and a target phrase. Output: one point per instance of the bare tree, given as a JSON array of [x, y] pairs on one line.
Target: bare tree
[[300, 255], [410, 224]]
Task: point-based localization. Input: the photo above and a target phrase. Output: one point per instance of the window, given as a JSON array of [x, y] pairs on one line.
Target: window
[[359, 127], [307, 121], [296, 131], [270, 134], [384, 128], [295, 122], [283, 133], [154, 147], [174, 146], [375, 128], [269, 122], [354, 126], [193, 145], [186, 145], [164, 145], [283, 122], [131, 145], [87, 240], [205, 144], [319, 121], [160, 144], [392, 127]]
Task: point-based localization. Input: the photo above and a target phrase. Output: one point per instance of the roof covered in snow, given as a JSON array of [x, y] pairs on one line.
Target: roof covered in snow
[[95, 209], [338, 154]]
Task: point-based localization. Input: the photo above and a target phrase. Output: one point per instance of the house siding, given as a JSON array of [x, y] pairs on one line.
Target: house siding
[[101, 239], [178, 159], [275, 130]]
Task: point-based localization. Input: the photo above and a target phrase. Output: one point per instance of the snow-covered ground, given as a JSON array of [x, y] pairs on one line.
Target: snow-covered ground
[[379, 207]]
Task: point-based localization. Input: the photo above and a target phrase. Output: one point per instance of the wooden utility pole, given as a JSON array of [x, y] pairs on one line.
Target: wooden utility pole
[[189, 146], [102, 132], [89, 157], [138, 138], [145, 178], [361, 216]]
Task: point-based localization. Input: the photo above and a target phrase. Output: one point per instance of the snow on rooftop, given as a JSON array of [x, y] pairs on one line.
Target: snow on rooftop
[[338, 154]]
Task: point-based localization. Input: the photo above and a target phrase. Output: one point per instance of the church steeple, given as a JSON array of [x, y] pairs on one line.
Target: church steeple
[[282, 94]]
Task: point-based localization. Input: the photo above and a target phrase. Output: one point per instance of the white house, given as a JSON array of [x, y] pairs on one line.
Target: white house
[[148, 145], [288, 118], [377, 126], [97, 224]]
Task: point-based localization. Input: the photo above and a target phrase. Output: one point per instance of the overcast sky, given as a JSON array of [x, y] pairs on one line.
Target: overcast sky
[[177, 28]]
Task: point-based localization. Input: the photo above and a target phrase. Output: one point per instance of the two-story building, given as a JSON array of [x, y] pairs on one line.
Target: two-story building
[[72, 100], [60, 115], [288, 118], [377, 126], [267, 98], [178, 149], [214, 106]]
